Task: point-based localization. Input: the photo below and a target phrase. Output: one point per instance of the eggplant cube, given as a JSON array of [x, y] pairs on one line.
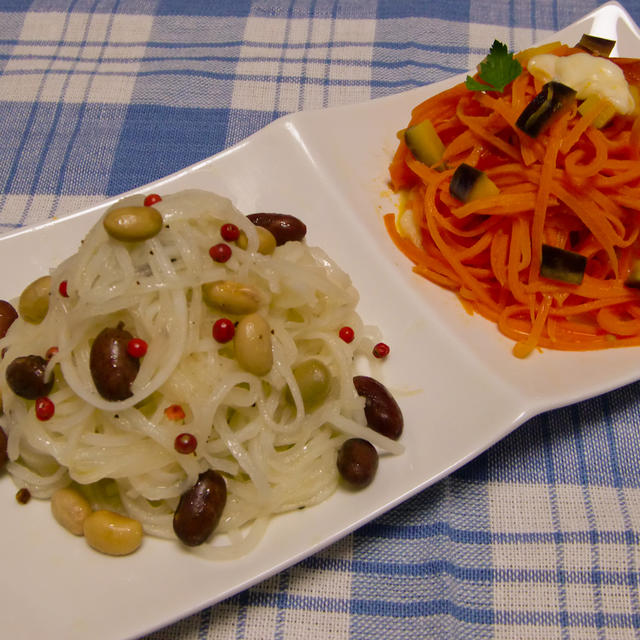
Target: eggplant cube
[[596, 46], [469, 183], [552, 100], [562, 265], [424, 143], [633, 279]]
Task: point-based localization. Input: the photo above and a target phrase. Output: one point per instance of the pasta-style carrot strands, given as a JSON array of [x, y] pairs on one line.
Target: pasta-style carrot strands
[[479, 129], [508, 205], [523, 348], [498, 255], [542, 197], [593, 220], [574, 187], [581, 125], [596, 164], [610, 319]]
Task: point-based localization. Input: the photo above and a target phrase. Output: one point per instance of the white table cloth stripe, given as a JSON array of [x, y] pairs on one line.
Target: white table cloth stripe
[[539, 536]]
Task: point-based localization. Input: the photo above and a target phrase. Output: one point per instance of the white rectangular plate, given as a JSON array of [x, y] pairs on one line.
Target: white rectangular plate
[[460, 388]]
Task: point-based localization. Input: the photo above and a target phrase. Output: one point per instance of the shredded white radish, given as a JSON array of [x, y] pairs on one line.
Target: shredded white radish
[[275, 457]]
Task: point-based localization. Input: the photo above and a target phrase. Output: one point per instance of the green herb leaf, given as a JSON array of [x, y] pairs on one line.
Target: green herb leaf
[[496, 71]]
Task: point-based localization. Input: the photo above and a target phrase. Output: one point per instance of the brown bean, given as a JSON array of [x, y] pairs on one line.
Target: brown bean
[[200, 508], [357, 462], [7, 315], [284, 227], [381, 410], [3, 449], [26, 377], [112, 368]]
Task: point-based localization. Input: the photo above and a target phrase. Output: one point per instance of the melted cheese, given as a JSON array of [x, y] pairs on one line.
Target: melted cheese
[[588, 75]]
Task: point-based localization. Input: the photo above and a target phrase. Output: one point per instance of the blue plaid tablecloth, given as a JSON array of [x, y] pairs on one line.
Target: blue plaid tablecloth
[[536, 538]]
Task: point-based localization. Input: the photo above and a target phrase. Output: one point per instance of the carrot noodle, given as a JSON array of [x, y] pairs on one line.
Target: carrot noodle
[[574, 186]]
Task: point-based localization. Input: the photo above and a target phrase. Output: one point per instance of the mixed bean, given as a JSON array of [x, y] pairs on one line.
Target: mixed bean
[[114, 364], [70, 509], [381, 409], [253, 349], [112, 367], [133, 224], [357, 462], [27, 377], [266, 241], [200, 508], [112, 533], [7, 317], [283, 227], [33, 304], [314, 381], [228, 296]]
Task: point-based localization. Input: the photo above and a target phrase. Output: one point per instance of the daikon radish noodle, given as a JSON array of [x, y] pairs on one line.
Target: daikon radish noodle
[[251, 427]]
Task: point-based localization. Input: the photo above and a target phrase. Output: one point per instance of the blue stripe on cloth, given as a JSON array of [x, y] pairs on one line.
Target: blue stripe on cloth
[[550, 621], [594, 554], [619, 483], [66, 166], [559, 577], [281, 601], [10, 34], [399, 577], [205, 621], [525, 447], [451, 12], [427, 53], [203, 8], [35, 136], [156, 141]]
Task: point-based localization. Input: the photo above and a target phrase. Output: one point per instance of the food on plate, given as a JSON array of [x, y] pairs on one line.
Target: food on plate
[[189, 373], [520, 192]]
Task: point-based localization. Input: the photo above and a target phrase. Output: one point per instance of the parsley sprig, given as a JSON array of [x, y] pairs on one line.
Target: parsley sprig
[[496, 71]]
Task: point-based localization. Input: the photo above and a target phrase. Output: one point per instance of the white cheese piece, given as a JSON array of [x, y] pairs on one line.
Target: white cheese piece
[[588, 75]]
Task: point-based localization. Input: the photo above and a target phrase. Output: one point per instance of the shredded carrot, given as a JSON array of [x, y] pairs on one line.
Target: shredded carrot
[[574, 187]]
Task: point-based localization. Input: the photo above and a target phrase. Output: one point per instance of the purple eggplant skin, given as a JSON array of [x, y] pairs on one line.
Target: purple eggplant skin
[[553, 98], [596, 46], [463, 180], [562, 265]]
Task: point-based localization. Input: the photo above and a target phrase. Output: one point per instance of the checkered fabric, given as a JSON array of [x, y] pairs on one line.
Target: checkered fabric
[[539, 536]]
